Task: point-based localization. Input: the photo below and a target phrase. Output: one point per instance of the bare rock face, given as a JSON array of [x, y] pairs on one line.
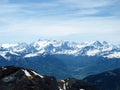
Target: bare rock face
[[16, 78], [74, 84]]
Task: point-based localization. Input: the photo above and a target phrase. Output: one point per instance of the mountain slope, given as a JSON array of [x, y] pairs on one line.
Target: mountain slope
[[74, 84], [109, 80], [17, 78]]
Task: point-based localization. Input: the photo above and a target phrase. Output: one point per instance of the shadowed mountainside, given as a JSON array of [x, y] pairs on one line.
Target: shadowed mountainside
[[16, 78], [109, 80]]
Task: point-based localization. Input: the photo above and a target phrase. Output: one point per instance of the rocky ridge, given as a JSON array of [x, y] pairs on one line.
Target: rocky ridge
[[17, 78]]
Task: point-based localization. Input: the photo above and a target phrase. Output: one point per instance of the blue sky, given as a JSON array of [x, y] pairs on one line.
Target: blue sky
[[76, 20]]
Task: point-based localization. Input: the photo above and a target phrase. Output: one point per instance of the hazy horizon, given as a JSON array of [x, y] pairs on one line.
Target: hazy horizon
[[74, 20]]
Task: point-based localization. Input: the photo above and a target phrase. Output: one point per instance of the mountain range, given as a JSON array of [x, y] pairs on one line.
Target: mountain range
[[42, 47], [62, 58]]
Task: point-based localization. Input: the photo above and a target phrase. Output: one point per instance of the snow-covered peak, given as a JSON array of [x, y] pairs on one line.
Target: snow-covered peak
[[97, 43], [8, 45], [105, 43], [113, 55], [42, 47]]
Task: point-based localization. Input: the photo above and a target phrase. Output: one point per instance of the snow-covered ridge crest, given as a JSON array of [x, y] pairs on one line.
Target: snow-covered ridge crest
[[42, 47]]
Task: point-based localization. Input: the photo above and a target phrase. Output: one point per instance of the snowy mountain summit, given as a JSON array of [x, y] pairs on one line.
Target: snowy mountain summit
[[51, 47]]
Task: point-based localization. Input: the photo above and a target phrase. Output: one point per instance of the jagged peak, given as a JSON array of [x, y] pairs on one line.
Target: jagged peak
[[104, 42], [97, 43], [62, 47]]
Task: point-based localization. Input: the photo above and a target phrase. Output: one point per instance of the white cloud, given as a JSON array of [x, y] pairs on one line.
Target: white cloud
[[87, 3], [57, 8], [58, 19], [87, 12], [4, 9], [52, 28]]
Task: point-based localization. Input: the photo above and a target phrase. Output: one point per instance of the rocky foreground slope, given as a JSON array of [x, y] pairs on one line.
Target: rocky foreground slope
[[16, 78]]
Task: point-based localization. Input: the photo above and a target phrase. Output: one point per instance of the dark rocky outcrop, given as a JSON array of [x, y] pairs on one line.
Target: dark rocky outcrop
[[109, 80], [16, 78], [74, 84]]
